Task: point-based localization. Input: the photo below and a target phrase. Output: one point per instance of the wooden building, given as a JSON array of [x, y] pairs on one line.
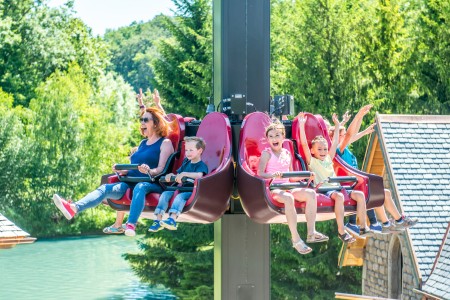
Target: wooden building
[[11, 235], [412, 153]]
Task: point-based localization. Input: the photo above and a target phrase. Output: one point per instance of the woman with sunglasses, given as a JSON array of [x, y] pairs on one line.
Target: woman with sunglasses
[[118, 227], [151, 156]]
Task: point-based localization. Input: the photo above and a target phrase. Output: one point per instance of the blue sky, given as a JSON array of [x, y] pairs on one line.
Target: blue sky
[[111, 14]]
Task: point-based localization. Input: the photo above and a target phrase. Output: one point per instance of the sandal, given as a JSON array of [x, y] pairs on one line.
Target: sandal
[[114, 230], [317, 237], [301, 247], [346, 238]]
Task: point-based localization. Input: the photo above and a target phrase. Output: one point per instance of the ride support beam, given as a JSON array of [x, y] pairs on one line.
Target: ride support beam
[[241, 34], [241, 259]]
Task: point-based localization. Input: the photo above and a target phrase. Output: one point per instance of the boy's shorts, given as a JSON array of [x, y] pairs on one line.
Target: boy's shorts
[[343, 191]]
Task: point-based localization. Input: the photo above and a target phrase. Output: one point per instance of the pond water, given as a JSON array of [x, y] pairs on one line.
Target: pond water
[[73, 268]]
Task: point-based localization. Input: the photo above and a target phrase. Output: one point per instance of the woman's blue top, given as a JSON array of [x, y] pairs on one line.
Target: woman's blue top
[[146, 154]]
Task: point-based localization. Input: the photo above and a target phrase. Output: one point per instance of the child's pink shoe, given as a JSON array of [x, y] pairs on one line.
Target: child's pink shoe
[[131, 230], [63, 206]]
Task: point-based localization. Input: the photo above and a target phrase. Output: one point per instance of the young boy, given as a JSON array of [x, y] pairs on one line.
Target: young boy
[[320, 161], [345, 139], [192, 167]]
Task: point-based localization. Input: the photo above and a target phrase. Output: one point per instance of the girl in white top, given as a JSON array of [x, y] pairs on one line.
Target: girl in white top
[[320, 161], [273, 163]]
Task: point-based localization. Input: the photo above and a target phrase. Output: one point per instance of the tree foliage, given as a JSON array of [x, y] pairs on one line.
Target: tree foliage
[[132, 50], [67, 108], [183, 72], [37, 40], [181, 260]]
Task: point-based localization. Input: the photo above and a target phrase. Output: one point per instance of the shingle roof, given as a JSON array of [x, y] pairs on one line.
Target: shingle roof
[[417, 150], [11, 235], [438, 284]]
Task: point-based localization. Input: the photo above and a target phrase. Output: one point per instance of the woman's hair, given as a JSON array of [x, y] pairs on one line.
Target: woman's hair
[[199, 142], [319, 139], [162, 126], [276, 125]]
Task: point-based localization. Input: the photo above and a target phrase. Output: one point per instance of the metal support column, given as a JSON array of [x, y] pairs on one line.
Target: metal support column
[[241, 259], [241, 69]]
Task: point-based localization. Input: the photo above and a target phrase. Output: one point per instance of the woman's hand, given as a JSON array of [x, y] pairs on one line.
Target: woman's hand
[[121, 172], [156, 97], [144, 169], [140, 98]]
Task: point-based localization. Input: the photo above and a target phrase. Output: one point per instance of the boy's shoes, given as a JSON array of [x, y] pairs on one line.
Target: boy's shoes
[[352, 228], [406, 222], [131, 230], [346, 238], [391, 228], [377, 228], [365, 232], [156, 226], [63, 206], [169, 223]]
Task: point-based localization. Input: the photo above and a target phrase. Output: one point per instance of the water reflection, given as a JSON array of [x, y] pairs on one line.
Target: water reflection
[[73, 268]]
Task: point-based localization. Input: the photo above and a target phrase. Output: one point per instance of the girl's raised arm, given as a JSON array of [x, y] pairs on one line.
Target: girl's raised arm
[[335, 142], [303, 141]]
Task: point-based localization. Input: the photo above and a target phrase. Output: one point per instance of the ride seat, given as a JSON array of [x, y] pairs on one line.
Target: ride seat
[[315, 126], [176, 135], [210, 194]]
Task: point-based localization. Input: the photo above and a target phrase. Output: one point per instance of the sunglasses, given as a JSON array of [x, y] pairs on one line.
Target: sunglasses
[[145, 120]]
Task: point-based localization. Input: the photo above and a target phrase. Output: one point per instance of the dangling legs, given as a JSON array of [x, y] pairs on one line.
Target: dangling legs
[[288, 200]]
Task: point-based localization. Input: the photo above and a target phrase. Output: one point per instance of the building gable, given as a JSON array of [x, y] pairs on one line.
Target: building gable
[[416, 152]]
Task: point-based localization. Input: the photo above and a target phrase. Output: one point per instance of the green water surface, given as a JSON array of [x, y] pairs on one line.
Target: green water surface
[[73, 268]]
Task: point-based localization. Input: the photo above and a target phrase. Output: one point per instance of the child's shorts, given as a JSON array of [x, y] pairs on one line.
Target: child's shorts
[[343, 191]]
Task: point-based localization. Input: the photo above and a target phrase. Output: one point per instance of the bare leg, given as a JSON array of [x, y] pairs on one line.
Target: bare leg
[[381, 214], [359, 197], [119, 219], [390, 205], [339, 211], [308, 196], [289, 210], [291, 217]]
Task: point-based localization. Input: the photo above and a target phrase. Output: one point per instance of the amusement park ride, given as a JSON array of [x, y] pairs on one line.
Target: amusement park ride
[[232, 195]]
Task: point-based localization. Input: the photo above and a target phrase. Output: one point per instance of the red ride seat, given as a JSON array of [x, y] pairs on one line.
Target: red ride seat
[[211, 193], [255, 191], [176, 135], [371, 185]]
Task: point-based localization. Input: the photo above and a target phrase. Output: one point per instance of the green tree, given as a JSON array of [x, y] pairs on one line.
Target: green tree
[[312, 276], [183, 72], [73, 136], [182, 261], [13, 149], [37, 40], [132, 49], [432, 57], [315, 59]]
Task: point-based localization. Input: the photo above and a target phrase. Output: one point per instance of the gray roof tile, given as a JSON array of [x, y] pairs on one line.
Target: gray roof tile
[[8, 229], [419, 154], [438, 282]]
